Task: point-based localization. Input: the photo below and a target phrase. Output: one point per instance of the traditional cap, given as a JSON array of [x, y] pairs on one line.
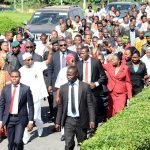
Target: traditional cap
[[54, 41], [26, 55], [147, 34], [125, 39], [15, 44], [115, 19], [69, 57], [148, 48]]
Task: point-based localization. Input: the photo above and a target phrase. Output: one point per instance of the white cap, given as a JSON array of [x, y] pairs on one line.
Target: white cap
[[115, 19], [26, 55]]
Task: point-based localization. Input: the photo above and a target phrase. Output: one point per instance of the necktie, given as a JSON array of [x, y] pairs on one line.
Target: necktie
[[73, 100], [63, 60], [12, 99], [86, 72]]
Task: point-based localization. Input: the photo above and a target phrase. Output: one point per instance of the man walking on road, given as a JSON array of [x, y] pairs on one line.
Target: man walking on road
[[13, 111], [73, 110]]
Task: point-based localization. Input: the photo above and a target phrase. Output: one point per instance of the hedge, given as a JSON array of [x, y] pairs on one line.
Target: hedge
[[9, 20], [129, 130]]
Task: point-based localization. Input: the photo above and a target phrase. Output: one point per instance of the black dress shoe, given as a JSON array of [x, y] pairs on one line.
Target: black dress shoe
[[62, 138]]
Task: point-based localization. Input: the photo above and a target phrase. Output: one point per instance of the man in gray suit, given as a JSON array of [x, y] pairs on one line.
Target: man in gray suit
[[13, 111], [75, 113]]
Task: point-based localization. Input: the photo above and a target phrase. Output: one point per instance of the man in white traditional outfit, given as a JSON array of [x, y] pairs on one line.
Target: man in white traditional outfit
[[32, 75]]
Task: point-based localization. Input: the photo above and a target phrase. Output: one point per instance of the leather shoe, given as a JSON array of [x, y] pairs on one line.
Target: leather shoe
[[62, 138]]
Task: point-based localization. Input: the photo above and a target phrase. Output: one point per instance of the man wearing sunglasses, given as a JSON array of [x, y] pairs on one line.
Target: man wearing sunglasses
[[30, 47], [58, 62], [32, 75]]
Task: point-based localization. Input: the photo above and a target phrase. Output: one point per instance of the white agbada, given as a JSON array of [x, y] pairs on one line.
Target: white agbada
[[33, 77]]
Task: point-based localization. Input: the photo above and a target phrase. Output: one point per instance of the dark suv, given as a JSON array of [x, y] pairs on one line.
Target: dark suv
[[45, 19]]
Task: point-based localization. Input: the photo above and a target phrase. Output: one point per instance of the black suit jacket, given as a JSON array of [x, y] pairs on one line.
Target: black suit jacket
[[137, 78], [86, 107], [25, 97], [54, 67], [97, 75], [127, 33]]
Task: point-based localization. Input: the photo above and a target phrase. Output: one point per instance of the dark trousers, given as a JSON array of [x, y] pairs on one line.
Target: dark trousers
[[101, 105], [73, 127], [50, 101], [15, 132]]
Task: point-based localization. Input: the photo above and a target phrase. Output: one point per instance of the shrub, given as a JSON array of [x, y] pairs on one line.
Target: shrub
[[6, 24], [9, 20], [129, 130]]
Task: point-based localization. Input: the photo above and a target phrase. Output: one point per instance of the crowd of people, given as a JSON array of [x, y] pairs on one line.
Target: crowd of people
[[88, 70]]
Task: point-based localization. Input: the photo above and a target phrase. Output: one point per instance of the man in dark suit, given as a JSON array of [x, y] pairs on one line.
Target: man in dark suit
[[75, 111], [91, 71], [13, 111], [132, 33], [58, 62], [30, 47]]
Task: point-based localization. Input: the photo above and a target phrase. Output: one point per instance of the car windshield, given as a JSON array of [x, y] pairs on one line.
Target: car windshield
[[120, 7], [47, 18]]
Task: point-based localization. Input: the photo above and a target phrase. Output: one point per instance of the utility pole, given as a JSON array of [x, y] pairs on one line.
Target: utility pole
[[84, 4], [15, 4], [22, 6], [61, 2]]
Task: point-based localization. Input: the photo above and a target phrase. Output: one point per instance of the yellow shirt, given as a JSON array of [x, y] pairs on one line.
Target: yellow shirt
[[138, 43]]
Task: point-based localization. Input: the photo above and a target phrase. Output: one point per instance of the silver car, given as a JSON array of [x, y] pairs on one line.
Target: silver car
[[123, 7], [45, 19]]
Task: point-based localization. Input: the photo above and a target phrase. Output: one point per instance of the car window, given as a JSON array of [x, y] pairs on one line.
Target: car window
[[80, 13], [120, 6], [47, 18], [71, 15], [75, 12]]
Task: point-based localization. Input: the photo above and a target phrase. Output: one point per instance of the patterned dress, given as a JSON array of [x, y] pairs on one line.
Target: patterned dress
[[4, 79]]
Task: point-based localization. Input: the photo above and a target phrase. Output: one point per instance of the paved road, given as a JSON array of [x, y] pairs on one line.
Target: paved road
[[49, 140]]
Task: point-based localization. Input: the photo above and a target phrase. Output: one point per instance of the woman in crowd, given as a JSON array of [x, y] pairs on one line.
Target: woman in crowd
[[138, 73], [95, 49], [119, 84], [4, 80], [69, 25]]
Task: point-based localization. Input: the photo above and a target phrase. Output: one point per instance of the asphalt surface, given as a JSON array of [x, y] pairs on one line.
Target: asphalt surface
[[50, 140]]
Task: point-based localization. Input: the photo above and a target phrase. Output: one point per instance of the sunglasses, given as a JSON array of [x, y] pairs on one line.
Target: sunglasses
[[15, 47], [29, 46], [63, 45], [29, 59]]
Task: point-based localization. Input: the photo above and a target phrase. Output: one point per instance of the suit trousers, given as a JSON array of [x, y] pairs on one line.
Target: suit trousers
[[100, 109], [73, 127], [15, 132]]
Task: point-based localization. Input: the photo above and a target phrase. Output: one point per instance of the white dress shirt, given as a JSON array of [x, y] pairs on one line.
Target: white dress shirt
[[61, 78], [16, 99], [146, 60], [132, 37], [89, 70], [41, 48], [76, 91]]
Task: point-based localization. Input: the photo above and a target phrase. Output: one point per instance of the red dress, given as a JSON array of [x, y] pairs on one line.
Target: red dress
[[119, 86]]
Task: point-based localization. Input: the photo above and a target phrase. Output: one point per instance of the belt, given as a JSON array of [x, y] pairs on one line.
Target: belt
[[76, 118], [13, 115]]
